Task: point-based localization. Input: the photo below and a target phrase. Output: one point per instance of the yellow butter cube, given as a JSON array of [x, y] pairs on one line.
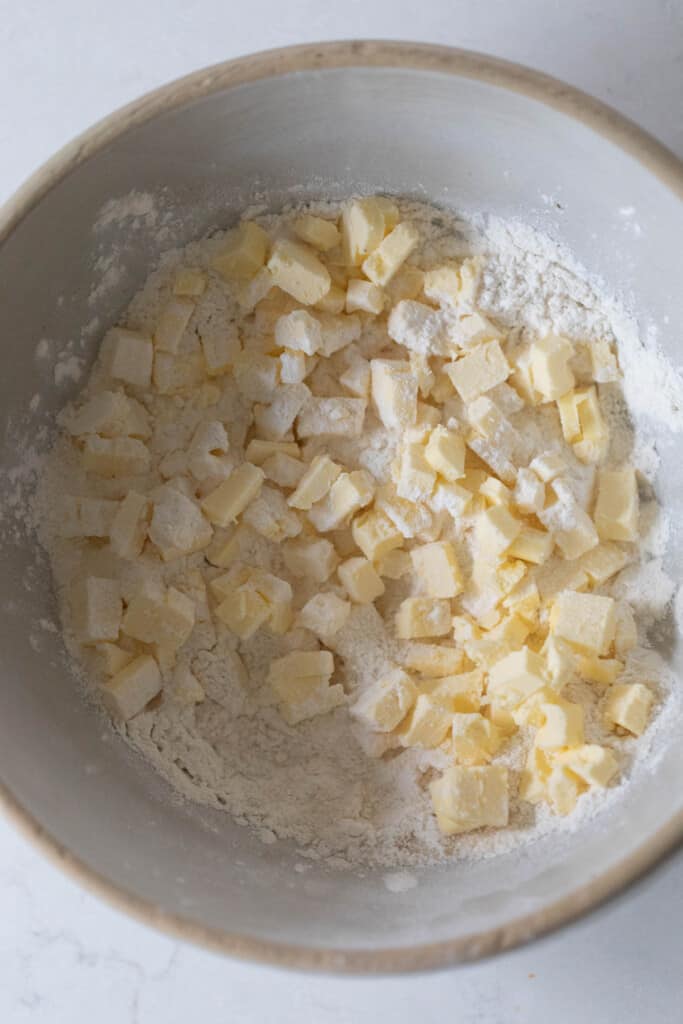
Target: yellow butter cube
[[468, 798], [364, 224], [315, 483], [394, 392], [548, 466], [283, 470], [128, 356], [433, 660], [583, 425], [560, 662], [534, 776], [423, 617], [375, 534], [445, 453], [600, 670], [603, 562], [295, 676], [562, 725], [392, 252], [586, 621], [479, 371], [594, 765], [549, 364], [312, 558], [298, 272], [242, 253], [516, 677], [258, 451], [361, 580], [173, 321], [269, 515], [385, 704], [628, 706], [96, 608], [129, 526], [616, 508], [324, 615], [495, 492], [349, 493], [496, 529], [299, 331], [437, 569], [364, 297], [243, 611], [562, 789], [158, 615], [316, 231], [416, 478], [428, 724], [128, 692], [113, 657], [356, 377], [460, 692], [532, 545], [475, 739], [224, 504], [115, 456]]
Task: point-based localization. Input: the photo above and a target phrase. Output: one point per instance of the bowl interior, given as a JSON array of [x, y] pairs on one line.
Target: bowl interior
[[457, 141]]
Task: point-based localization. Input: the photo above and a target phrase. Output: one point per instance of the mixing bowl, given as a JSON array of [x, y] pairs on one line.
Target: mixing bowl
[[457, 128]]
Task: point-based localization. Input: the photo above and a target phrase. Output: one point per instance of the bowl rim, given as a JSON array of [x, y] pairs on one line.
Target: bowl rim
[[603, 120]]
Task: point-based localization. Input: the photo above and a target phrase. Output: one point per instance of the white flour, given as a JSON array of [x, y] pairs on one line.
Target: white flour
[[314, 784]]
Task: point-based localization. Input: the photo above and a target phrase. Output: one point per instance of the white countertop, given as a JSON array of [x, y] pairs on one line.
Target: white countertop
[[66, 958]]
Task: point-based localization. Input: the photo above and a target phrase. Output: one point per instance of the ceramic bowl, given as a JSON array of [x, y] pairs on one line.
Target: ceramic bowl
[[457, 128]]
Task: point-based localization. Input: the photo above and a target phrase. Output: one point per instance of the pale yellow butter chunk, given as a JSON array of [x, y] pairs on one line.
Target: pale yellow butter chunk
[[173, 374], [316, 231], [394, 392], [177, 527], [110, 414], [628, 706], [586, 621], [275, 420], [299, 331], [270, 516], [314, 558], [244, 611], [423, 617], [113, 657], [428, 724], [495, 492], [436, 567], [298, 271], [460, 692], [224, 504], [433, 660], [360, 580], [331, 417], [583, 425], [364, 224], [128, 356], [467, 798], [158, 615], [445, 453], [129, 526], [385, 704], [562, 789], [251, 291], [173, 321], [349, 493], [479, 371], [96, 608], [294, 367], [356, 377], [334, 301], [375, 534], [115, 456], [532, 545], [258, 451], [364, 297], [242, 253], [529, 493], [562, 725], [189, 282], [315, 483], [603, 562], [560, 662], [392, 252], [595, 765], [496, 529], [600, 670], [616, 508], [548, 466], [297, 675], [324, 615], [284, 470], [475, 738], [220, 349], [416, 477], [551, 374], [128, 692], [516, 677]]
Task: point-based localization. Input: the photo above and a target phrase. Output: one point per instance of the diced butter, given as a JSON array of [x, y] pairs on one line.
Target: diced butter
[[114, 658], [600, 670], [479, 370], [110, 414], [583, 425], [586, 621], [115, 456], [532, 545], [313, 558], [189, 281], [364, 297], [294, 366], [551, 374], [360, 580], [433, 660], [466, 798], [128, 692], [269, 515], [315, 483], [394, 392], [96, 609], [364, 225], [275, 420], [299, 331], [324, 615], [437, 569], [603, 562], [129, 356], [516, 677], [385, 704], [616, 508], [172, 323], [562, 725], [416, 477], [158, 615], [242, 253], [224, 504], [375, 534], [628, 706], [529, 494], [423, 617], [316, 231], [475, 739], [258, 451], [392, 252], [298, 272], [496, 530], [428, 724], [445, 453], [349, 493], [283, 470], [296, 675], [594, 765]]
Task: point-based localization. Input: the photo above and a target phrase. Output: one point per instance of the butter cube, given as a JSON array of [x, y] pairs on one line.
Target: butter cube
[[375, 534], [115, 456], [583, 425], [315, 483], [496, 529], [189, 282], [460, 692], [324, 615], [158, 615], [129, 526], [360, 579], [333, 417], [562, 726], [129, 355], [269, 515], [423, 617], [560, 662], [549, 364], [466, 798], [114, 658], [173, 321], [603, 562], [410, 519], [475, 739], [178, 527], [275, 420], [284, 470], [364, 225], [383, 262], [628, 706], [96, 608], [334, 301], [316, 231], [594, 765], [250, 292], [479, 370], [600, 670], [242, 253], [299, 331], [315, 559], [294, 367], [532, 545], [244, 611], [128, 692], [220, 348], [356, 377], [586, 621], [175, 374], [385, 704], [296, 675], [437, 569], [534, 777], [365, 297], [394, 392], [433, 660], [416, 478], [451, 498], [529, 494], [110, 414], [616, 508], [224, 504], [495, 492], [563, 789], [258, 451], [394, 565], [445, 453], [349, 493], [428, 724], [516, 677], [442, 285], [524, 600], [298, 272], [475, 328], [532, 710], [548, 466]]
